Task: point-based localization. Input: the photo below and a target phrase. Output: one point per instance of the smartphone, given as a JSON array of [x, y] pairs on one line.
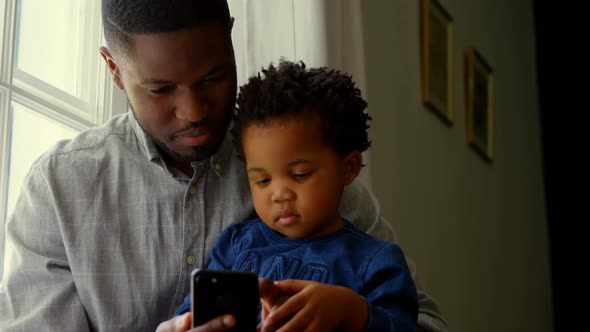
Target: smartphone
[[215, 293]]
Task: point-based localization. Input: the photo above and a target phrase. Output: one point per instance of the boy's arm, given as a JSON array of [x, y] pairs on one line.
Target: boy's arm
[[359, 206], [223, 253], [315, 306], [390, 292], [38, 292], [387, 300]]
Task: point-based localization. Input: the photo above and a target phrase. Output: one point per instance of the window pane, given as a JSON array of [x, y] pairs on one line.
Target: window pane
[[49, 35], [31, 135], [2, 8]]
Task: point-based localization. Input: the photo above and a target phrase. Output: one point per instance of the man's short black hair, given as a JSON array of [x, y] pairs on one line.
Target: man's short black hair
[[123, 17], [291, 89]]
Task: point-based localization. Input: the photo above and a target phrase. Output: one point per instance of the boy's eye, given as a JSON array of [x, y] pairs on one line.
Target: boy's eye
[[263, 181], [163, 90], [301, 176]]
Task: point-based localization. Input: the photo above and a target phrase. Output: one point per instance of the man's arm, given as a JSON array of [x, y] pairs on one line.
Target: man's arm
[[360, 207], [38, 292]]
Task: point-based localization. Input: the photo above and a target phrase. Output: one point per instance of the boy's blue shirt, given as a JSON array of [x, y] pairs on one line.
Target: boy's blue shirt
[[376, 270]]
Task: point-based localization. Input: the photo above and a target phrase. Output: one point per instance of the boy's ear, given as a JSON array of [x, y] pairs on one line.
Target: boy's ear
[[112, 65], [353, 163]]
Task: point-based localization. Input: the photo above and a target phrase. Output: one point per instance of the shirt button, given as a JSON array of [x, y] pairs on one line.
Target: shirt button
[[193, 190], [191, 260]]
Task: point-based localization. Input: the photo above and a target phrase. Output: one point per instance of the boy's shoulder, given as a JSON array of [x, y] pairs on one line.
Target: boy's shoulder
[[351, 230], [243, 227], [364, 240]]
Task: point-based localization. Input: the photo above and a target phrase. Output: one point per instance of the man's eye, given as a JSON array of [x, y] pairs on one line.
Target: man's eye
[[213, 78], [163, 90]]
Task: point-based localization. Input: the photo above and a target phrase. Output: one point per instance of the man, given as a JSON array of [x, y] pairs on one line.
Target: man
[[110, 224]]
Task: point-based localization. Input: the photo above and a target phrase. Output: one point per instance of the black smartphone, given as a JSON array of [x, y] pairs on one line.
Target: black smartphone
[[215, 293]]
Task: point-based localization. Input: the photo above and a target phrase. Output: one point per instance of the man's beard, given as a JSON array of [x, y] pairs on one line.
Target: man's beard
[[200, 153]]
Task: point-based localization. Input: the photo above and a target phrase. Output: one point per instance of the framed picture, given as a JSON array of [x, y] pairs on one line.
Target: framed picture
[[436, 27], [479, 101]]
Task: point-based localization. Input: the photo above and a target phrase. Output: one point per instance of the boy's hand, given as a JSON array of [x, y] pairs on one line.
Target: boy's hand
[[271, 296], [316, 307], [183, 323]]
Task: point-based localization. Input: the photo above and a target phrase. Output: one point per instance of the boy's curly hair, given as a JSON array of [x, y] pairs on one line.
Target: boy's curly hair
[[291, 89]]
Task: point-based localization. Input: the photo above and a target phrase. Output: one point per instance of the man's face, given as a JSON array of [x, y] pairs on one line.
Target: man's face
[[182, 88]]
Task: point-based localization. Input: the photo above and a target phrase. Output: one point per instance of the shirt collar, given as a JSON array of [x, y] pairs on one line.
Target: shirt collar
[[145, 142], [218, 162]]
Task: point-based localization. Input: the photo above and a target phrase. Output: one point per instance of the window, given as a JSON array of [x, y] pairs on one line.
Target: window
[[25, 123], [54, 53], [52, 84]]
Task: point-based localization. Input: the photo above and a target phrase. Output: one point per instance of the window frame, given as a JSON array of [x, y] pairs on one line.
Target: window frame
[[48, 100]]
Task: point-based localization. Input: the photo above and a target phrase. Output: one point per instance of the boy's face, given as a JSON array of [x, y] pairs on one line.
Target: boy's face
[[296, 180]]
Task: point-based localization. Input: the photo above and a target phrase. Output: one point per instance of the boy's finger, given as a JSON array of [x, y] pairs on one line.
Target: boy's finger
[[284, 312], [292, 285], [267, 291]]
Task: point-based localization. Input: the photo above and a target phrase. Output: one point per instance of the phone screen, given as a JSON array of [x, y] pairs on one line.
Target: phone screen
[[215, 293]]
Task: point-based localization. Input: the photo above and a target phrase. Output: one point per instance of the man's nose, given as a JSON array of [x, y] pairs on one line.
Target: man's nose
[[191, 106]]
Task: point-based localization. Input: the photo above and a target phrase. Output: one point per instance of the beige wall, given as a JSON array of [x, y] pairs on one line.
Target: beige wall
[[477, 231]]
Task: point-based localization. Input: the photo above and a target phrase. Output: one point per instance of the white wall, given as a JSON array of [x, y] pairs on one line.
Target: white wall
[[477, 231]]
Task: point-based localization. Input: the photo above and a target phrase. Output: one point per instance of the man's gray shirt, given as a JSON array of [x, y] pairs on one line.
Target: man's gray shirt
[[105, 234]]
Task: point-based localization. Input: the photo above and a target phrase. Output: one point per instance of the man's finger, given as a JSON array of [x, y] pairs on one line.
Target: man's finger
[[177, 324], [219, 324], [183, 324]]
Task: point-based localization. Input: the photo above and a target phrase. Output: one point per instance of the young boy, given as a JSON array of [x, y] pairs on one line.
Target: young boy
[[301, 133]]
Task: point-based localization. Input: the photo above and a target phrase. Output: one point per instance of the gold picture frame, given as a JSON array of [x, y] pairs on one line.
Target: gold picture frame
[[436, 30], [479, 102]]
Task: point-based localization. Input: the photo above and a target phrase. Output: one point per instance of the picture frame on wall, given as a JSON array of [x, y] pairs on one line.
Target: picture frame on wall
[[436, 30], [479, 102]]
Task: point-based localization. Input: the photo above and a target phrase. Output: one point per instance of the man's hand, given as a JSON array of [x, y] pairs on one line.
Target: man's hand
[[316, 307], [268, 291], [183, 323]]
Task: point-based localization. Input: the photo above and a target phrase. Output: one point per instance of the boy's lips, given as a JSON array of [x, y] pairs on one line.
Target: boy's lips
[[286, 217]]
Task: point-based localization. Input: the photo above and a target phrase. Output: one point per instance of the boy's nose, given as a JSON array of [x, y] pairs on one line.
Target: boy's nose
[[282, 194]]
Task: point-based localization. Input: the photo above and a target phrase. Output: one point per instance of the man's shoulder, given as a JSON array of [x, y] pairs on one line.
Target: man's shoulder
[[359, 206], [90, 141]]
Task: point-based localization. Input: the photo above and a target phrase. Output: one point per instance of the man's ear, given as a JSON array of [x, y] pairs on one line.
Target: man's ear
[[112, 65], [353, 162]]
